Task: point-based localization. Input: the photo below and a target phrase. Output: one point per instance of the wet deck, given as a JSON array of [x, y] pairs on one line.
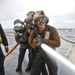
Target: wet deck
[[66, 49]]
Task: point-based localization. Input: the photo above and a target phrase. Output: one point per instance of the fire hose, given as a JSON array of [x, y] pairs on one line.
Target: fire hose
[[12, 49], [53, 54]]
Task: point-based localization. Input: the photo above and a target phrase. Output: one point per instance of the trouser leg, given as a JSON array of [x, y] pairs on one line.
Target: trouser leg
[[21, 56], [44, 70], [33, 56], [2, 71], [30, 59], [52, 67], [37, 66]]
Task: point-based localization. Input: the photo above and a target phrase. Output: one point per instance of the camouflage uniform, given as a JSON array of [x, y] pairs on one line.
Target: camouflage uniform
[[18, 33]]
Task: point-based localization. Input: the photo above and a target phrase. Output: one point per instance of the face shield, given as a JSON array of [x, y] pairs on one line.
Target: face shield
[[18, 27]]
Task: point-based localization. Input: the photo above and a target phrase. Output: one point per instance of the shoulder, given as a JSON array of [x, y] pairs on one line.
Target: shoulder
[[34, 31], [51, 27]]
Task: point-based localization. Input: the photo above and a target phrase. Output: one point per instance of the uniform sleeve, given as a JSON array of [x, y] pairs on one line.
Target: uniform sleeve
[[4, 38], [55, 41], [24, 39], [31, 38], [17, 37]]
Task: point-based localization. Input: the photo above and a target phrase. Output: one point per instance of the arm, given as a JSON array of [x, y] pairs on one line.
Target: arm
[[31, 38], [23, 39], [4, 38]]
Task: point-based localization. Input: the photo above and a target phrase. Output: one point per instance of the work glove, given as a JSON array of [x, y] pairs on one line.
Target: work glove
[[6, 49], [38, 40]]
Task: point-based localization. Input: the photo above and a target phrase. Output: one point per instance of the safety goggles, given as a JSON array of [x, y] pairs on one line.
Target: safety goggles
[[40, 23]]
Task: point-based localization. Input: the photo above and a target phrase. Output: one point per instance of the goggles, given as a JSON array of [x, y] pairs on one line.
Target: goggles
[[41, 21]]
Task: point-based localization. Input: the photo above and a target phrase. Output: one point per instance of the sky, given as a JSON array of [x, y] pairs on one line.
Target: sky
[[61, 13]]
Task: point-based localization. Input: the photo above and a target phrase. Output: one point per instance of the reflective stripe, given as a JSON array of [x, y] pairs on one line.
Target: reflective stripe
[[47, 34], [0, 39]]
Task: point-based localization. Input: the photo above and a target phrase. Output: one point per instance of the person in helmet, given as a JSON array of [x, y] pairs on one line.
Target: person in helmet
[[4, 41], [29, 27], [19, 26], [19, 29], [47, 34], [29, 22]]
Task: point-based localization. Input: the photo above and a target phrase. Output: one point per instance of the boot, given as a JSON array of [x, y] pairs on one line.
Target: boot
[[28, 68], [18, 69]]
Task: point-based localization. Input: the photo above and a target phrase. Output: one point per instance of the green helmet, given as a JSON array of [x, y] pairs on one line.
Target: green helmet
[[17, 36], [18, 21], [19, 26]]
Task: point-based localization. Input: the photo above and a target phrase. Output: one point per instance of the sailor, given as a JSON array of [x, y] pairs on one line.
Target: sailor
[[29, 27], [4, 41], [47, 34], [19, 29]]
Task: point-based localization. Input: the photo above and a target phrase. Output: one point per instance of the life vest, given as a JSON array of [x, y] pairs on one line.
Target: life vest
[[48, 32]]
